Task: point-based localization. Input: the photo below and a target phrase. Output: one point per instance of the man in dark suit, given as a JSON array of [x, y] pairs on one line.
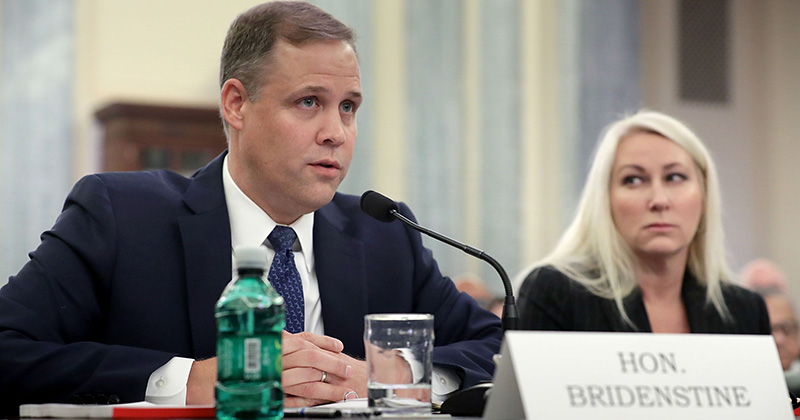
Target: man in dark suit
[[116, 304]]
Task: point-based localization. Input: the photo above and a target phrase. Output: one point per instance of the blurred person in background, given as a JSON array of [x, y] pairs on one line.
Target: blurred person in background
[[768, 280], [761, 274], [470, 284]]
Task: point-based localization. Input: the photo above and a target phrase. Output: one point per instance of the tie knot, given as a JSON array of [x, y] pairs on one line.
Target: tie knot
[[282, 238]]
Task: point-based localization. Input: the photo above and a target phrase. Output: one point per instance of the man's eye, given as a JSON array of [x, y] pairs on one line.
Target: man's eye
[[308, 102], [348, 107]]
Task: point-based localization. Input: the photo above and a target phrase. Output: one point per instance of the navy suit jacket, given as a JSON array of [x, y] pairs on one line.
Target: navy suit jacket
[[129, 274]]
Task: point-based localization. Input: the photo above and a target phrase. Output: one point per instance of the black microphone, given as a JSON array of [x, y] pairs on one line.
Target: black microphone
[[385, 209]]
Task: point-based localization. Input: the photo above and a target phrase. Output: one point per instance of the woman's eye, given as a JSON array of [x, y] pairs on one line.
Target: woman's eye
[[632, 180], [676, 177]]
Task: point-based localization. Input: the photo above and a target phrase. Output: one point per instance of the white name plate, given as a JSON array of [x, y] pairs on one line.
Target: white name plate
[[571, 375]]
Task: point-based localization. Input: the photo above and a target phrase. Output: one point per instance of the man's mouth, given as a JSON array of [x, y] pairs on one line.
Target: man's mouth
[[327, 164]]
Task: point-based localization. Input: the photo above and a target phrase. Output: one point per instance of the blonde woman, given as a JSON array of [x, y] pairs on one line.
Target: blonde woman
[[645, 251]]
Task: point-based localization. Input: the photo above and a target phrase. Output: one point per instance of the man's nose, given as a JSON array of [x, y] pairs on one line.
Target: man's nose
[[333, 129]]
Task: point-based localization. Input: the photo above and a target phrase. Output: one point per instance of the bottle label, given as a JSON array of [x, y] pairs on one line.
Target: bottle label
[[252, 358], [249, 358]]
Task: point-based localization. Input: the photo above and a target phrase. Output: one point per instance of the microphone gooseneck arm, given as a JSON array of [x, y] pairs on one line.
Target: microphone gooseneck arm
[[510, 316]]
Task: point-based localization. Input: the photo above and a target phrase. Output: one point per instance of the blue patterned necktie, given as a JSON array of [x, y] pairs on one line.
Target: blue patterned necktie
[[285, 278]]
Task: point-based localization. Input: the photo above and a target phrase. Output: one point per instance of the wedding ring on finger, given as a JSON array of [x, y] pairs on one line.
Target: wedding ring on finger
[[324, 376]]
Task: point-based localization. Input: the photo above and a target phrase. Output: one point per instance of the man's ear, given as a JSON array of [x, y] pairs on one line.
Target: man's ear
[[232, 99]]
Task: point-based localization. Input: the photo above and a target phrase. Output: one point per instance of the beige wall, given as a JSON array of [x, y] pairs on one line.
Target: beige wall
[[542, 187], [390, 90], [781, 76]]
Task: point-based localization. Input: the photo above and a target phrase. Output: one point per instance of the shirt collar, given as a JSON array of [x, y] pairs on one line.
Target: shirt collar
[[250, 225]]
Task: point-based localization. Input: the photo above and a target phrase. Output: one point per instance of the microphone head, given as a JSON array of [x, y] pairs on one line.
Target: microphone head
[[378, 205]]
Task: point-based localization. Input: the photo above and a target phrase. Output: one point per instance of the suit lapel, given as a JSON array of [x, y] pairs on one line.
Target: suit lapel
[[634, 307], [341, 273], [701, 320], [206, 235]]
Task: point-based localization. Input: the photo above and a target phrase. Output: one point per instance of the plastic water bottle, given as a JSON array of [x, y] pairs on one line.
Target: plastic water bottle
[[250, 318]]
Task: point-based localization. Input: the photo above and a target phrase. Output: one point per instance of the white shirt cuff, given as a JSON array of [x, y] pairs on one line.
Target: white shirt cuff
[[443, 383], [167, 385]]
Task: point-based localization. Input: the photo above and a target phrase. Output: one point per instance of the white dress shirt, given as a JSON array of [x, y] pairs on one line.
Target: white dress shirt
[[250, 226]]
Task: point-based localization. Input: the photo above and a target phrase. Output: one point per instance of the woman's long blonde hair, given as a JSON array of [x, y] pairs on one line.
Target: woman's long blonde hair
[[591, 250]]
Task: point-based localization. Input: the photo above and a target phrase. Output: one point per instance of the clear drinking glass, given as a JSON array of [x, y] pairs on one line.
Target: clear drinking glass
[[399, 349]]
